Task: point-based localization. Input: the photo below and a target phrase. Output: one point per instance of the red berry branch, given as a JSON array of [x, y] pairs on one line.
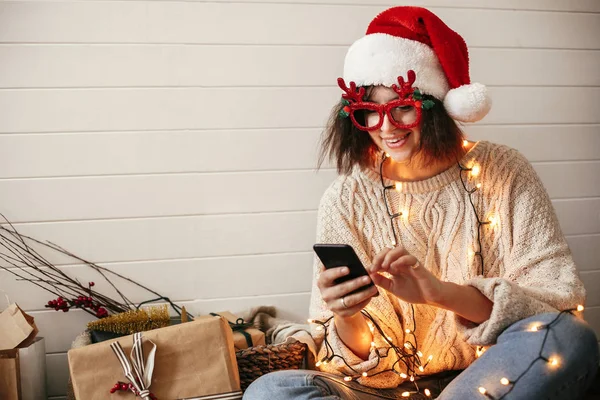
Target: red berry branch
[[19, 255], [61, 304]]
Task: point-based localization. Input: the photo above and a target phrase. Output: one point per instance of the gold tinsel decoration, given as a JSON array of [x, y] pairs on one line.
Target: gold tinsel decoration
[[133, 321]]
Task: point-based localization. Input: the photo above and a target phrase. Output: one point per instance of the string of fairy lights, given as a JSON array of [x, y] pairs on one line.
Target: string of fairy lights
[[408, 353]]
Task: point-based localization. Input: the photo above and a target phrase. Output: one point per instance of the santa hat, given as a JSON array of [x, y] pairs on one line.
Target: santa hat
[[413, 38]]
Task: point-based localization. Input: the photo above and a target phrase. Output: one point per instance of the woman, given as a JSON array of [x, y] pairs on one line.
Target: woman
[[460, 238]]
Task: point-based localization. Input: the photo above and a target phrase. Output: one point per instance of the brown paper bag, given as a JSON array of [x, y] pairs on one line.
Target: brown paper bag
[[10, 387], [193, 360], [17, 327]]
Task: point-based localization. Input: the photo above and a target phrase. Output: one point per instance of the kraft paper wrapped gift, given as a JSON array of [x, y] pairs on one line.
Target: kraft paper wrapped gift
[[243, 333], [193, 360]]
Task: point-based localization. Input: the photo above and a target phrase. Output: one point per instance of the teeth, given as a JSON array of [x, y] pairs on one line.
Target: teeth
[[398, 139]]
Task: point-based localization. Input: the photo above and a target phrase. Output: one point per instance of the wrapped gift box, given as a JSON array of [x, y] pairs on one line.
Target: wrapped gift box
[[193, 360], [243, 334]]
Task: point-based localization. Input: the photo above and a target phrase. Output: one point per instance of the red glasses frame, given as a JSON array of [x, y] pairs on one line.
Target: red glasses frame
[[354, 97], [387, 109]]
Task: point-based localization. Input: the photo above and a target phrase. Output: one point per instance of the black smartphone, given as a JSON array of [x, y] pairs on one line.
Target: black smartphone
[[338, 255]]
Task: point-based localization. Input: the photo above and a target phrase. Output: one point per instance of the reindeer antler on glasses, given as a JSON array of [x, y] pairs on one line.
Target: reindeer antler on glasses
[[350, 93], [405, 89]]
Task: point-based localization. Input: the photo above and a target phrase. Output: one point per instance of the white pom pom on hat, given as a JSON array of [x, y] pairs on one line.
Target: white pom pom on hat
[[413, 38]]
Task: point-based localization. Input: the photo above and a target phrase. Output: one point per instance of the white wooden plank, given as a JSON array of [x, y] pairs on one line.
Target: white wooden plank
[[531, 67], [570, 180], [223, 235], [59, 328], [591, 281], [545, 105], [224, 108], [37, 66], [543, 143], [57, 374], [159, 152], [578, 217], [116, 153], [138, 196], [180, 237], [256, 23], [586, 251], [162, 195], [542, 5], [524, 5], [186, 280], [172, 108]]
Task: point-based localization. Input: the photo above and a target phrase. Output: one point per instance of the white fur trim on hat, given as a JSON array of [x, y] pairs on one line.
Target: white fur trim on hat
[[379, 59], [468, 103]]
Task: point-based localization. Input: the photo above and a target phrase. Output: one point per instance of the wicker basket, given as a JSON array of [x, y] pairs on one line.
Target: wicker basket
[[259, 360]]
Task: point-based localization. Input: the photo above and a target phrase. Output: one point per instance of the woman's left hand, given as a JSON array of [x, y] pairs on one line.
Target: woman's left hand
[[409, 280]]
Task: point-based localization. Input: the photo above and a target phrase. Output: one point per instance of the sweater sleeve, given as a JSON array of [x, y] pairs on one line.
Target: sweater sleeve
[[335, 226], [539, 274]]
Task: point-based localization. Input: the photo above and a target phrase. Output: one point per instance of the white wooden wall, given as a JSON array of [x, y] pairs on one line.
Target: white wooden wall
[[175, 141]]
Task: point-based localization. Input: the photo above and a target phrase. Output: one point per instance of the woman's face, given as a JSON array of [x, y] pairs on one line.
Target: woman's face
[[400, 144]]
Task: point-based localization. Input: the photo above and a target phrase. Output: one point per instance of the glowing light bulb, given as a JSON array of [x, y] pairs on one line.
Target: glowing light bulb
[[493, 221], [318, 364], [398, 186], [427, 393], [421, 368], [403, 376], [394, 243], [405, 394], [412, 378], [504, 381], [480, 350], [389, 338], [430, 358], [407, 345], [348, 378], [553, 361], [319, 328], [580, 308], [534, 328], [475, 170], [387, 155], [419, 354], [482, 390], [310, 321], [365, 374], [465, 143], [372, 344], [478, 186], [407, 331]]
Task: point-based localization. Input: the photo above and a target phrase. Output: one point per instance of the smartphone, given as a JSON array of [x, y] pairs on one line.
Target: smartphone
[[338, 255]]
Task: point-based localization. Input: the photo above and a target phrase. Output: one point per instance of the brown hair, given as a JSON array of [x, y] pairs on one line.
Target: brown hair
[[342, 142]]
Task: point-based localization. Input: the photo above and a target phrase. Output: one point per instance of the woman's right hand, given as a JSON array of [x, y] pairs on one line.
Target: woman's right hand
[[336, 295]]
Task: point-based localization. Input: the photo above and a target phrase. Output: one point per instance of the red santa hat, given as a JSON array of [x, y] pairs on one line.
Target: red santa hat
[[413, 38]]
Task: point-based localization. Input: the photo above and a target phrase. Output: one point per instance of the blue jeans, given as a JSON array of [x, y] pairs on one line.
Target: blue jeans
[[570, 338]]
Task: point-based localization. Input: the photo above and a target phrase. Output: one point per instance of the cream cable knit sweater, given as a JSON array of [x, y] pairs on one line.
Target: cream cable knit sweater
[[528, 264]]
